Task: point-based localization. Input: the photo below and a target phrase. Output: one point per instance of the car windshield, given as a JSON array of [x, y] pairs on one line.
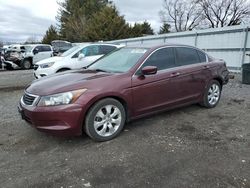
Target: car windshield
[[70, 51], [119, 61]]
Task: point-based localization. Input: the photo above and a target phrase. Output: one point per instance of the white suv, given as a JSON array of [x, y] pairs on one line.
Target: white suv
[[75, 58], [35, 53]]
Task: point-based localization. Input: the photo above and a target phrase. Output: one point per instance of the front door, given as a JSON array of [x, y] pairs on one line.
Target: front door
[[154, 92]]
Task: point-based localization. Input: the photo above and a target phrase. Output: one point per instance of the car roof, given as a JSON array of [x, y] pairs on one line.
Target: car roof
[[36, 45], [150, 46], [91, 44]]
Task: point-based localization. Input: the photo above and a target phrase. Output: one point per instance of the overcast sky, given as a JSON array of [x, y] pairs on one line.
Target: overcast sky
[[20, 19]]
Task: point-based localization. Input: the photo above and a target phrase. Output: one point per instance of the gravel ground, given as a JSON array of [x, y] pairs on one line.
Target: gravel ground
[[187, 147]]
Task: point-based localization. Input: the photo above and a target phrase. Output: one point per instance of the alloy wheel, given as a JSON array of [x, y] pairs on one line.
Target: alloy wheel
[[107, 120], [213, 94]]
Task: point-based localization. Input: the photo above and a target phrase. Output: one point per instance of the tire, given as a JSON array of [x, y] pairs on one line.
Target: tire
[[26, 64], [9, 67], [105, 120], [212, 94]]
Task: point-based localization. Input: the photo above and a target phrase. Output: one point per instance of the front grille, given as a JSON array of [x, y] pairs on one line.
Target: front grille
[[35, 67], [28, 99]]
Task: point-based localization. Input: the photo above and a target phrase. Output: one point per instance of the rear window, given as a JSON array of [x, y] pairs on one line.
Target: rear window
[[202, 56], [187, 56]]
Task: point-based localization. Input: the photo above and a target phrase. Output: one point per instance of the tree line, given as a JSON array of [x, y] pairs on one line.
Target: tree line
[[99, 20]]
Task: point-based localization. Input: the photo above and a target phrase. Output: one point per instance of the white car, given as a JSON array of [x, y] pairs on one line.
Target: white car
[[75, 58], [35, 53]]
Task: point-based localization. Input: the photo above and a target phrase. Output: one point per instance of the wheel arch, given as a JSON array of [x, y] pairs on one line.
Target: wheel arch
[[63, 68], [29, 58], [219, 79], [116, 97]]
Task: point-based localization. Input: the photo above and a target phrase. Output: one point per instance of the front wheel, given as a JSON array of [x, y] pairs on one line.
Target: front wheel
[[105, 120], [212, 94]]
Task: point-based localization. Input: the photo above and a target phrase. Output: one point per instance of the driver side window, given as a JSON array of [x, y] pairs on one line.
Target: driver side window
[[92, 50], [37, 49], [88, 51], [162, 59], [82, 51]]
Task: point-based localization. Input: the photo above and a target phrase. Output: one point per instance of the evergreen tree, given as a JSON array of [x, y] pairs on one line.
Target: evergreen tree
[[51, 34], [73, 16], [139, 30], [136, 30], [146, 28], [106, 25], [93, 20], [165, 28]]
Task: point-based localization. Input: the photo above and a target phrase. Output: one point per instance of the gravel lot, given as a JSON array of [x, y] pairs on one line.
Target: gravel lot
[[187, 147]]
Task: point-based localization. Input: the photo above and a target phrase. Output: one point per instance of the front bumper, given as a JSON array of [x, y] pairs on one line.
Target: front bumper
[[39, 73], [65, 120]]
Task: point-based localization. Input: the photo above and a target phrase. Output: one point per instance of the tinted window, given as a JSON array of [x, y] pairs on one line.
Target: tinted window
[[46, 48], [105, 49], [187, 56], [202, 56], [162, 59]]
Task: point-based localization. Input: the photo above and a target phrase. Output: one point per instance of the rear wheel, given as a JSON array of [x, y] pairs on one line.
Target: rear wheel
[[212, 94], [26, 64], [105, 120]]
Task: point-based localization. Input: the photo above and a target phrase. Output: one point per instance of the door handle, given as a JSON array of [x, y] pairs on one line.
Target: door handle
[[175, 74]]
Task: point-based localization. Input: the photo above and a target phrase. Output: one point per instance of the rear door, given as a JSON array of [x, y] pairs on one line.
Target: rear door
[[154, 92], [193, 71]]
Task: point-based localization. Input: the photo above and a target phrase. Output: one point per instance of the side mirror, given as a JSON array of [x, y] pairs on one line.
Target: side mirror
[[81, 56], [35, 51], [149, 70]]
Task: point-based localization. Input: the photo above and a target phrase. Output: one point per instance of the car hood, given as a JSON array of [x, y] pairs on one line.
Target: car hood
[[65, 81], [48, 60]]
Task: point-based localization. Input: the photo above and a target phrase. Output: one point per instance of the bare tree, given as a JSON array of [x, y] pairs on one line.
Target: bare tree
[[220, 13], [182, 14]]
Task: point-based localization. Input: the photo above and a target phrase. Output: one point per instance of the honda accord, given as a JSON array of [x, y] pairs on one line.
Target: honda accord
[[129, 83]]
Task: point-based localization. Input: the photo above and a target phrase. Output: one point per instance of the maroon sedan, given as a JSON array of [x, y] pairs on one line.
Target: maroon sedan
[[127, 84]]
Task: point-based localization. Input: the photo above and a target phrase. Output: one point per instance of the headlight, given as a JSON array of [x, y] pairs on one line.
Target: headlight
[[61, 98], [46, 65]]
